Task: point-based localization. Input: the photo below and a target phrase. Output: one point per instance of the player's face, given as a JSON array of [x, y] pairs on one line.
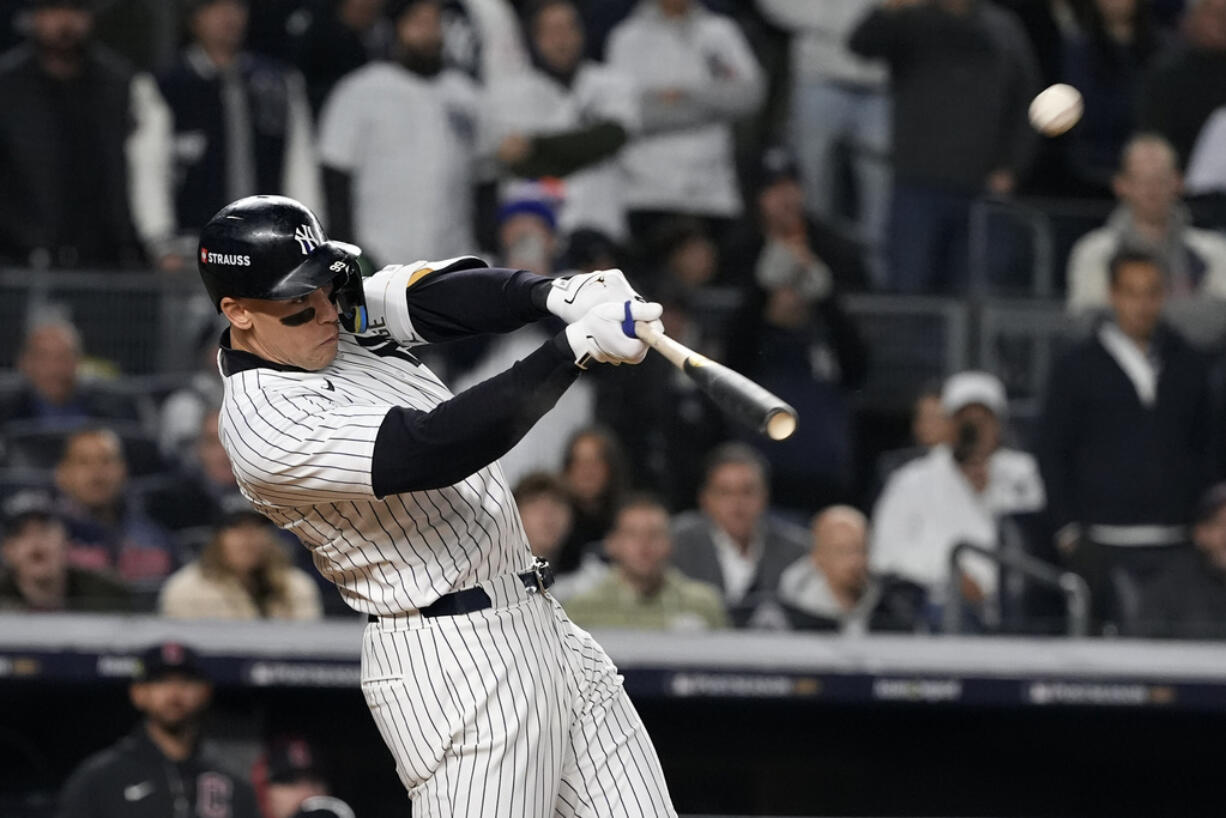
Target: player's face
[[559, 37], [640, 543], [302, 332], [173, 703], [735, 498]]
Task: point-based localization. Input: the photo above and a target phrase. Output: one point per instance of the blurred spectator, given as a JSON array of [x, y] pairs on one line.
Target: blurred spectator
[[958, 492], [840, 103], [86, 163], [1106, 62], [1188, 600], [794, 338], [37, 576], [286, 775], [594, 471], [695, 75], [566, 118], [1151, 219], [482, 38], [830, 588], [51, 393], [398, 141], [686, 253], [242, 122], [1048, 23], [159, 768], [527, 240], [1185, 87], [929, 427], [106, 525], [184, 409], [545, 510], [336, 37], [241, 574], [963, 76], [205, 491], [733, 543], [643, 590], [666, 425], [1126, 442]]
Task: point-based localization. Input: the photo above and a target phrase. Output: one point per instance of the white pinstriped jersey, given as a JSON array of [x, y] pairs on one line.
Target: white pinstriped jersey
[[301, 445]]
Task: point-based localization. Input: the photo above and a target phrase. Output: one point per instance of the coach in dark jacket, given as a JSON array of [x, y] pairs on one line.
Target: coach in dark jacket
[[158, 770], [1126, 442]]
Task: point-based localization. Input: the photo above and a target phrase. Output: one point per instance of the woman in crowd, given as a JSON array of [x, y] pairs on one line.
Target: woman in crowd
[[241, 574]]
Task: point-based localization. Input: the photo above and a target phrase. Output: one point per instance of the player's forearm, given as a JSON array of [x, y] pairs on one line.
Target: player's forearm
[[416, 450], [463, 303]]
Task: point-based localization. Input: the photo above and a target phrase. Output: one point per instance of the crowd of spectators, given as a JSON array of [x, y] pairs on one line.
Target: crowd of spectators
[[666, 137]]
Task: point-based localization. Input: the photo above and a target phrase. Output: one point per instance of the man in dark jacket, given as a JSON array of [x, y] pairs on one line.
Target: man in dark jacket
[[158, 769], [733, 543], [1126, 443], [963, 76], [81, 151], [242, 121], [1188, 601]]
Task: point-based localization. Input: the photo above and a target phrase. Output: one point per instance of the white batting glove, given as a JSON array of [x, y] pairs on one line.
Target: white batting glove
[[606, 333], [572, 298]]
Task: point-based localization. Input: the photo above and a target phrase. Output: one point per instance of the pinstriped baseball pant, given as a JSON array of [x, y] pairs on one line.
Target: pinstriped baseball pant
[[510, 711]]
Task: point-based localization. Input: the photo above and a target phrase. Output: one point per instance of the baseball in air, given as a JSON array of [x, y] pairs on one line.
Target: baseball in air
[[1056, 109]]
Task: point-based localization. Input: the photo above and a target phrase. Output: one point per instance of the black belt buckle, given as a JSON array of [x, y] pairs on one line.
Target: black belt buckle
[[543, 574]]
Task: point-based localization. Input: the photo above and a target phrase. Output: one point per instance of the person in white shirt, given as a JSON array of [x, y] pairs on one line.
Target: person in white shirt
[[695, 75], [566, 118], [956, 493], [1152, 219], [399, 142]]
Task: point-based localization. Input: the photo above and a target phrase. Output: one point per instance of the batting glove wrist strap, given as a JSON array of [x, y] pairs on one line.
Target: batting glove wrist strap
[[572, 298], [606, 333]]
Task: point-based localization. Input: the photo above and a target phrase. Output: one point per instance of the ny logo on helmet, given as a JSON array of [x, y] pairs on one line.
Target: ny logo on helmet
[[308, 239]]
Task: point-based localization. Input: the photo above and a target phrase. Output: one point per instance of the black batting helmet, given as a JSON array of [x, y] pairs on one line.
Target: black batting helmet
[[273, 247]]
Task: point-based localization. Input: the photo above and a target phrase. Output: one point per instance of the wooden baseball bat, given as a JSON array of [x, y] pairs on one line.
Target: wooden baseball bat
[[733, 392]]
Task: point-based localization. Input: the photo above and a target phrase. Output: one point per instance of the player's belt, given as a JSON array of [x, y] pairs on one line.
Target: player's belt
[[469, 600]]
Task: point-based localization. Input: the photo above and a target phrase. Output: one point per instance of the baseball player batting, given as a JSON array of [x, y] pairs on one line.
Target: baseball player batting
[[491, 701]]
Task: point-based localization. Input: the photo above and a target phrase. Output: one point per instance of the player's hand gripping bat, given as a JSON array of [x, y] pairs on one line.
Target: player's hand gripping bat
[[734, 393]]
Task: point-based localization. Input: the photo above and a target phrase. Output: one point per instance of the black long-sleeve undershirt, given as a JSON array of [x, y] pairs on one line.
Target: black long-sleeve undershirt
[[417, 450], [468, 298]]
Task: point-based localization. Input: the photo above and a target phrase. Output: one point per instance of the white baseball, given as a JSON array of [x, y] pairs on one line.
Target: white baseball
[[1056, 109]]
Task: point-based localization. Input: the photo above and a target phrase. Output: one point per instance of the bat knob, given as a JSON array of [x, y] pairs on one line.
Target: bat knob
[[781, 423]]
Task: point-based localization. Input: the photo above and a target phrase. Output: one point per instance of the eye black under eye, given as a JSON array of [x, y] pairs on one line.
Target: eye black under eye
[[297, 319]]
